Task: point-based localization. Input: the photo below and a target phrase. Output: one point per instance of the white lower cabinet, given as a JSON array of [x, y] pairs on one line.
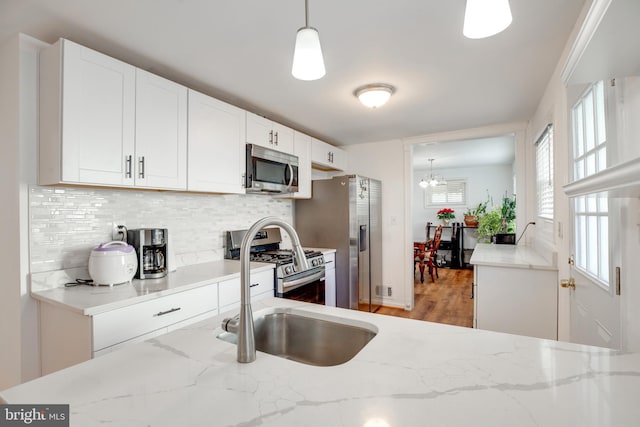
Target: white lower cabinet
[[117, 326], [522, 301], [229, 291], [68, 337], [330, 279]]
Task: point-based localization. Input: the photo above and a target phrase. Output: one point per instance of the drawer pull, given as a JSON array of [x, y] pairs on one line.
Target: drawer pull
[[162, 313], [253, 285]]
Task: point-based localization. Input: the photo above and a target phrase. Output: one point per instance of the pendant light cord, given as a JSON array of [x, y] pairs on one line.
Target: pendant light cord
[[306, 13]]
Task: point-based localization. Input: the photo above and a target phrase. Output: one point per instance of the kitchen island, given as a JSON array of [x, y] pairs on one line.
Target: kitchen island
[[412, 373]]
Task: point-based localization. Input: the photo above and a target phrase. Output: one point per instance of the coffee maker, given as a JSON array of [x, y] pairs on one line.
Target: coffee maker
[[151, 249]]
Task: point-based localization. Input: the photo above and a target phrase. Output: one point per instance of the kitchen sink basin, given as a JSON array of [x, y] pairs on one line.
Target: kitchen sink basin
[[307, 337]]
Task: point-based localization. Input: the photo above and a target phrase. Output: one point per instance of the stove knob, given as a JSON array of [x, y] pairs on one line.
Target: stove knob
[[320, 261], [288, 270]]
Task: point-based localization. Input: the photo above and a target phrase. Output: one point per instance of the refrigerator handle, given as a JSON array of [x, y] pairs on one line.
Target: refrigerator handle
[[363, 238]]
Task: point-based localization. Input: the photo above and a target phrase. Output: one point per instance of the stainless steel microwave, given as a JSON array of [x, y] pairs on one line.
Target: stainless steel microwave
[[270, 171]]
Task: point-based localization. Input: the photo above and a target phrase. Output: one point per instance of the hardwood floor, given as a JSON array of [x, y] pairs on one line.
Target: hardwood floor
[[447, 300]]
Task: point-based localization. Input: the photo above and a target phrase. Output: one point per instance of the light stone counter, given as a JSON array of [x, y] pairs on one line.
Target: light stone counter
[[412, 373], [512, 256], [92, 300]]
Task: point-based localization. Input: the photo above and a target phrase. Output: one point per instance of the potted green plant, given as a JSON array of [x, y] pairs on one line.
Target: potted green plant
[[489, 224], [507, 235], [471, 215], [508, 213]]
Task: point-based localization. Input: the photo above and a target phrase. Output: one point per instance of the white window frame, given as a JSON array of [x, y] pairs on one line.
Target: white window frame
[[544, 174], [429, 191], [591, 212]]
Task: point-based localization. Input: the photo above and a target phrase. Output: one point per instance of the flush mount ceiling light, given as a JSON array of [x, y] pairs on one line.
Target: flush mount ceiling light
[[484, 18], [308, 63], [433, 181], [374, 95]]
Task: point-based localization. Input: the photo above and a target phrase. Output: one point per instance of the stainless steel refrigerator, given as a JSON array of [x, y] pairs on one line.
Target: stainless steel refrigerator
[[345, 213]]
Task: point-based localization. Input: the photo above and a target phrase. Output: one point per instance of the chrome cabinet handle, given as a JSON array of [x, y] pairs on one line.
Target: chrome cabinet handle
[[271, 137], [127, 168], [162, 313], [276, 140], [141, 167]]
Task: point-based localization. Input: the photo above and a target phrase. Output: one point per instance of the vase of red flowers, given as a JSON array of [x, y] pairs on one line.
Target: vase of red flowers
[[446, 215]]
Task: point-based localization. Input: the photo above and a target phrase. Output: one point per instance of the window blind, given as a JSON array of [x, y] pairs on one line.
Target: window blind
[[544, 173], [451, 193]]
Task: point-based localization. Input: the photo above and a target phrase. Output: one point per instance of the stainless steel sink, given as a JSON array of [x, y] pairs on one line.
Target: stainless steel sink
[[308, 337]]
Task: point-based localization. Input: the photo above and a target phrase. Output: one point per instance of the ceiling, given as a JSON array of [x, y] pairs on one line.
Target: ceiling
[[241, 51], [495, 150]]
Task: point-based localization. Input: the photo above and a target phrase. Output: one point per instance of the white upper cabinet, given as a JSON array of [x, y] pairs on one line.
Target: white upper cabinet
[[161, 133], [216, 145], [104, 122], [326, 156], [267, 133], [302, 149], [87, 117]]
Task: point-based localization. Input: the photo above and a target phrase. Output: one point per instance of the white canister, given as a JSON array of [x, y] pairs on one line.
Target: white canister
[[112, 263]]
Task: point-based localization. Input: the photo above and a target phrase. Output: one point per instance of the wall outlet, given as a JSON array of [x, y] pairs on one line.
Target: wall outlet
[[388, 291], [118, 231]]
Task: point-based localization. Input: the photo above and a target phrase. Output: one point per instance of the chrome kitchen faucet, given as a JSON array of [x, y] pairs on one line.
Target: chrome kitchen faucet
[[243, 325]]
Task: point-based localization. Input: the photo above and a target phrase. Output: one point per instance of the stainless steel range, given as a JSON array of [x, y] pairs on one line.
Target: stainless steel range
[[303, 286]]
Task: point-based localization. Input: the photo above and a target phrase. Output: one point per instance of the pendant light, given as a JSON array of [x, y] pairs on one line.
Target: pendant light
[[308, 63], [433, 181], [484, 18]]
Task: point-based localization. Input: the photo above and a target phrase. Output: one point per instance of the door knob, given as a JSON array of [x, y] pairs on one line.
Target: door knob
[[571, 283]]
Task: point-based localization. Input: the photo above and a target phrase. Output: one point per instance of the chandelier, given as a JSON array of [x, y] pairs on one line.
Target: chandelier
[[433, 180]]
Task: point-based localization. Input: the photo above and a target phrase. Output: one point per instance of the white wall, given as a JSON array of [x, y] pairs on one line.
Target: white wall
[[385, 161], [496, 179], [19, 358]]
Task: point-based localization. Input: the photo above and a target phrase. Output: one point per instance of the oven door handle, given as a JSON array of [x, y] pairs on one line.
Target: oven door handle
[[307, 279]]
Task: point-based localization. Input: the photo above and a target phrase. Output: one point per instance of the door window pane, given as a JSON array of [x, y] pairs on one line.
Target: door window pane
[[591, 226]]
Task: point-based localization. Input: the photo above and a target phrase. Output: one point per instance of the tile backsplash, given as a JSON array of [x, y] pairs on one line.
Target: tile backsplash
[[67, 222]]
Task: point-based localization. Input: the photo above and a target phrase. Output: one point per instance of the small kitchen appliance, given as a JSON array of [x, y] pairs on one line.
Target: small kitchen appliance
[[305, 285], [269, 171], [151, 249], [112, 263]]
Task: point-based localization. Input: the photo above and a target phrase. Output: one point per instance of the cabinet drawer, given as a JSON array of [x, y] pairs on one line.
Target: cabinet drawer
[[229, 290], [129, 322]]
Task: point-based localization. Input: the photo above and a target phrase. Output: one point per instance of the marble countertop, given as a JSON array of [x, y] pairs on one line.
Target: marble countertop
[[412, 373], [513, 256], [92, 300]]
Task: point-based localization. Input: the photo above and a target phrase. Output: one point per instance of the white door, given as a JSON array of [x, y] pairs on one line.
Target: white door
[[283, 138], [216, 145], [302, 149], [98, 117], [259, 130], [161, 132], [594, 301]]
